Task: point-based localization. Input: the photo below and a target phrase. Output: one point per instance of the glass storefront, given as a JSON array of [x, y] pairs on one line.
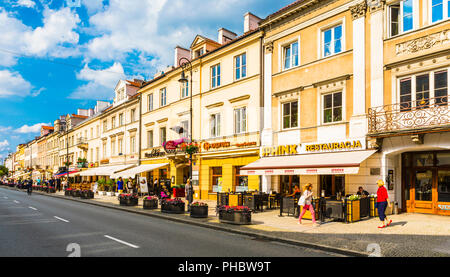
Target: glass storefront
[[288, 183]]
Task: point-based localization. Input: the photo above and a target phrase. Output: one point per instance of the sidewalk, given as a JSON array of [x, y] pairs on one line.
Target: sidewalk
[[411, 235]]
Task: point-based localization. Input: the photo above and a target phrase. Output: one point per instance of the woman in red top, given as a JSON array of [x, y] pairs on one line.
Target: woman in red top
[[382, 203]]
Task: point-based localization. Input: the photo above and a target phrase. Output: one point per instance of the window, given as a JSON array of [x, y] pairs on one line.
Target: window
[[162, 96], [162, 135], [150, 102], [97, 154], [121, 119], [332, 107], [113, 148], [113, 123], [133, 145], [216, 178], [215, 125], [185, 89], [133, 115], [421, 91], [332, 41], [92, 133], [240, 120], [290, 55], [215, 76], [401, 17], [104, 150], [149, 139], [240, 64], [440, 9], [290, 115], [185, 126], [98, 131], [120, 142], [240, 180]]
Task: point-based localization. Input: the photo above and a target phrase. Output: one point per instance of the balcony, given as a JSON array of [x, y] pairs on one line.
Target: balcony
[[410, 117], [82, 143]]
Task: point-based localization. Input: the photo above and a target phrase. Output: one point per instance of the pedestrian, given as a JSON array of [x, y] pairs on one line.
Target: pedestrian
[[382, 203], [189, 192], [130, 186], [306, 202], [120, 185], [156, 187], [58, 184]]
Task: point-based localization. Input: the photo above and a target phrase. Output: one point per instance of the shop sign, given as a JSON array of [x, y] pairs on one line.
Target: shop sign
[[226, 144], [444, 207], [285, 150], [336, 146]]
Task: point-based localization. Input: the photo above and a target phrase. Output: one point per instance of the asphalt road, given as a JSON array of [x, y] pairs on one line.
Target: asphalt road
[[41, 226]]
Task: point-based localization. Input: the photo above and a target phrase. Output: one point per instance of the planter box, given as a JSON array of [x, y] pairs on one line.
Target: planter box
[[373, 210], [76, 193], [52, 190], [172, 209], [67, 193], [87, 195], [129, 202], [353, 209], [235, 217], [150, 204], [178, 193], [199, 211]]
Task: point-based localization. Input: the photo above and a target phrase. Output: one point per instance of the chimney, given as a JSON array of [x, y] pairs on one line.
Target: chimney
[[225, 36], [251, 22], [181, 52]]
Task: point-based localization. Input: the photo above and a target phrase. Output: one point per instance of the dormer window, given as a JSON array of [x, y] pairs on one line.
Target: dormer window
[[199, 53]]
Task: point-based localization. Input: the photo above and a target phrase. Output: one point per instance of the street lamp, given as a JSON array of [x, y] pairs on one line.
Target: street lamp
[[187, 65]]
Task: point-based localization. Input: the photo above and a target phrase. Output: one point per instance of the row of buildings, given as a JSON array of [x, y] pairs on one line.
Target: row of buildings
[[336, 93]]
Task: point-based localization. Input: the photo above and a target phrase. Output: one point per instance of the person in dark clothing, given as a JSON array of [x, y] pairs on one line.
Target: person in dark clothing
[[361, 192], [58, 184], [29, 186]]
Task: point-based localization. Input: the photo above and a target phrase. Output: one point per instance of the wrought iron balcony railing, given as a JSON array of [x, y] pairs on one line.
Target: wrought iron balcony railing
[[410, 115]]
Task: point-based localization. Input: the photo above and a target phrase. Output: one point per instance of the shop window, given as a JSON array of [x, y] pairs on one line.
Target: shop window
[[290, 115], [332, 107], [424, 185], [216, 178], [443, 159], [444, 186], [288, 183], [332, 185], [421, 160], [241, 181]]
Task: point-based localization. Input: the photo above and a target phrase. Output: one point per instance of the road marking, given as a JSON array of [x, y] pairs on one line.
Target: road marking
[[5, 197], [17, 202], [33, 208], [121, 241], [62, 219]]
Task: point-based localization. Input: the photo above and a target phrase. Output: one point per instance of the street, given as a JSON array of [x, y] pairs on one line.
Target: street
[[40, 226]]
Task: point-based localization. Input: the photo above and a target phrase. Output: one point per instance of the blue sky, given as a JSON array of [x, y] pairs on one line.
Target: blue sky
[[56, 57]]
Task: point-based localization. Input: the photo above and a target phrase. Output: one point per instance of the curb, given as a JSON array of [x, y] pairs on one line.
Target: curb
[[326, 248]]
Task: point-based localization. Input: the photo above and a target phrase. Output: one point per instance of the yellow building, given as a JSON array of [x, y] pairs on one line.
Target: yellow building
[[226, 85]]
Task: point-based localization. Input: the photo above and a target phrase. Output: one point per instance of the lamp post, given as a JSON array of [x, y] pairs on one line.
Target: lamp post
[[187, 65]]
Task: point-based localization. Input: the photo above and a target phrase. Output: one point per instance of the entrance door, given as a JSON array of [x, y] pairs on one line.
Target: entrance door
[[424, 190]]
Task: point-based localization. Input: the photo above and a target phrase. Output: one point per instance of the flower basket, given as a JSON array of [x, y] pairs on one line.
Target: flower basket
[[199, 210], [128, 199], [172, 206], [178, 192], [235, 215], [87, 194], [150, 203]]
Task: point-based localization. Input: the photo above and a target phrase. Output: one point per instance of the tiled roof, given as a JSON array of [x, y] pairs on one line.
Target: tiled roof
[[48, 128], [79, 116]]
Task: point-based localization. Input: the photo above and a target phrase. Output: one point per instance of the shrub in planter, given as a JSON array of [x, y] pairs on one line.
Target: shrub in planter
[[76, 193], [172, 206], [239, 215], [68, 192], [150, 203], [199, 210], [87, 194], [128, 199], [51, 190]]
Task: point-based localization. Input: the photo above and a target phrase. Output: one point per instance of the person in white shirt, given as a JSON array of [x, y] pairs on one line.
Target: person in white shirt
[[308, 195]]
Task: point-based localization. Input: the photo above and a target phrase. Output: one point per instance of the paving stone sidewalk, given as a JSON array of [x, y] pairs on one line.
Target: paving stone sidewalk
[[410, 235]]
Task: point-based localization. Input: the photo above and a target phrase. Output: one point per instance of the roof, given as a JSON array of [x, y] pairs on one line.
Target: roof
[[48, 128], [79, 116]]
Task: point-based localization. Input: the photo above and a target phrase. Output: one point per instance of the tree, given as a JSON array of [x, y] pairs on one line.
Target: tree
[[3, 171]]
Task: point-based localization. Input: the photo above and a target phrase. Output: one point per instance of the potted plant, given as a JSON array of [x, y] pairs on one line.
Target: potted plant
[[352, 208], [128, 199], [101, 186], [239, 215], [110, 186], [87, 194], [179, 191], [199, 210], [82, 163], [68, 192], [76, 193], [172, 206], [150, 203]]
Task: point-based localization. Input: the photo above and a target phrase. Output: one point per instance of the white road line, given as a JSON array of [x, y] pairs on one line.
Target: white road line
[[33, 208], [121, 241], [17, 202], [62, 219], [5, 197]]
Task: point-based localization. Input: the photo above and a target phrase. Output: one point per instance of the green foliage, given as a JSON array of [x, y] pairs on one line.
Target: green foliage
[[3, 171]]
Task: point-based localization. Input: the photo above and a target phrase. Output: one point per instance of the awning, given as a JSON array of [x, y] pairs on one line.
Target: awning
[[71, 174], [311, 164], [105, 170], [132, 172]]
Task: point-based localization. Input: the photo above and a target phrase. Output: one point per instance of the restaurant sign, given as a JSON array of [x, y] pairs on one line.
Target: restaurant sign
[[226, 144], [284, 150], [336, 146]]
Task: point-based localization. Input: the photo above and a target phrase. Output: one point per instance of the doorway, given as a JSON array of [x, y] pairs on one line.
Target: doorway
[[331, 185]]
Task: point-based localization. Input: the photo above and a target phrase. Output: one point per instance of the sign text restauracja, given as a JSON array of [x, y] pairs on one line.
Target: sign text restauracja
[[334, 146]]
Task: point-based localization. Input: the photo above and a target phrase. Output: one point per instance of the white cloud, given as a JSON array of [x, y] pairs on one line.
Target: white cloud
[[36, 128], [13, 84], [4, 145], [101, 82], [26, 3], [5, 129]]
